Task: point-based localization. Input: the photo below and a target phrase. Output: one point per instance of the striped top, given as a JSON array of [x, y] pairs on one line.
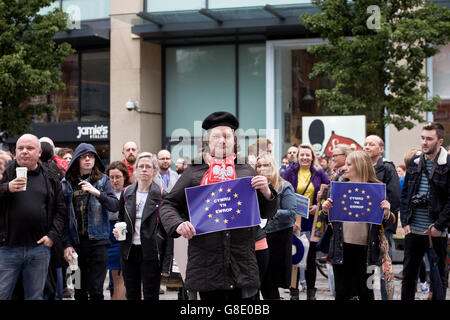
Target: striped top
[[420, 220]]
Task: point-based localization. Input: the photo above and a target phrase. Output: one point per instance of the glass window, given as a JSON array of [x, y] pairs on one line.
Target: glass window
[[252, 86], [441, 87], [51, 7], [199, 80], [174, 5], [67, 101], [95, 86], [217, 4], [88, 9]]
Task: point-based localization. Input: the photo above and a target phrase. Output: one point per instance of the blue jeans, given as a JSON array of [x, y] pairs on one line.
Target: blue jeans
[[32, 262]]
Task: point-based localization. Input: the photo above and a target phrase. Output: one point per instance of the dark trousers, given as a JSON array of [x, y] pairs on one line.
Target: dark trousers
[[351, 277], [92, 262], [415, 247], [138, 273], [311, 270], [223, 295], [262, 256]]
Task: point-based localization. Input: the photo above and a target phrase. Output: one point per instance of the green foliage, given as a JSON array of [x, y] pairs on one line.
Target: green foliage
[[29, 60], [378, 69]]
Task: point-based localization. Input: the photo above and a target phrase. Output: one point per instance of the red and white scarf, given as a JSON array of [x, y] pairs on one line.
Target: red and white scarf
[[219, 169]]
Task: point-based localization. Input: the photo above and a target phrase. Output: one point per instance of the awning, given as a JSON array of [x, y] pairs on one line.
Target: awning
[[251, 23], [95, 33]]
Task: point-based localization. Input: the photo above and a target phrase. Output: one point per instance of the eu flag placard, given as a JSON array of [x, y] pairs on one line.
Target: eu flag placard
[[357, 202], [302, 206], [224, 205]]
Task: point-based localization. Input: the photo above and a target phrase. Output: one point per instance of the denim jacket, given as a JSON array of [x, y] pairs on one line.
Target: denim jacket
[[98, 215], [285, 216]]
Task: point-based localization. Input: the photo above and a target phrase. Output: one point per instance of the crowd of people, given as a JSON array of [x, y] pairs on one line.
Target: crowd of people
[[69, 207]]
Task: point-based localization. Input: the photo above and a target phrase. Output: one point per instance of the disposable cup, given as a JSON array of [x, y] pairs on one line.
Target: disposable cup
[[21, 172], [73, 262], [121, 228]]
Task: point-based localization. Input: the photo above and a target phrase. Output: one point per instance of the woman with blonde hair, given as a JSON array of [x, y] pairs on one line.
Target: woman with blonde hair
[[278, 230], [355, 245]]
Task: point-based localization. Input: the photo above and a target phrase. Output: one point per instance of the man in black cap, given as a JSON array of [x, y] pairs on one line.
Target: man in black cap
[[221, 265]]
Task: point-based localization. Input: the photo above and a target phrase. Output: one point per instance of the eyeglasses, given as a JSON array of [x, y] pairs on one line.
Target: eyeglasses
[[145, 167], [87, 155], [337, 155], [113, 178]]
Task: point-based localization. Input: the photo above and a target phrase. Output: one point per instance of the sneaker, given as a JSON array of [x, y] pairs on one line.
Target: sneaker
[[424, 287]]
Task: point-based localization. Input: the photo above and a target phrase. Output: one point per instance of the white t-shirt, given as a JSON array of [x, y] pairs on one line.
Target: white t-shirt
[[141, 198]]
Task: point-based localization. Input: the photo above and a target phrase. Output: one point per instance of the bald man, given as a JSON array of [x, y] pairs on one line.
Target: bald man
[[130, 151], [166, 177], [31, 221], [387, 174]]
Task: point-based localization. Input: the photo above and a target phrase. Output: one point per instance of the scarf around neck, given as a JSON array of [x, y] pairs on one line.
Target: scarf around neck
[[219, 169]]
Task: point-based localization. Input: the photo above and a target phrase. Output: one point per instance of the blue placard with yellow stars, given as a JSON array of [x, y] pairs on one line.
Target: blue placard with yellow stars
[[302, 206], [357, 202], [224, 205]]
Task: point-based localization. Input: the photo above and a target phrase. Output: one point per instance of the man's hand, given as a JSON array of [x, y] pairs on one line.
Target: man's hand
[[46, 241], [17, 184], [68, 252], [433, 231], [186, 230], [407, 229], [260, 183]]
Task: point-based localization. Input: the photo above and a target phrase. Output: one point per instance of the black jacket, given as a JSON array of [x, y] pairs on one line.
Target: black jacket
[[439, 210], [220, 260], [56, 208], [386, 173], [152, 247]]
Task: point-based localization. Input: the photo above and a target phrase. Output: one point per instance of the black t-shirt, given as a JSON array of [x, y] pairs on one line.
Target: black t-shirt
[[80, 202], [28, 221]]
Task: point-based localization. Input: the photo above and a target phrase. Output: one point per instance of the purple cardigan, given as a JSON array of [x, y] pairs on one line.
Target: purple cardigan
[[318, 177]]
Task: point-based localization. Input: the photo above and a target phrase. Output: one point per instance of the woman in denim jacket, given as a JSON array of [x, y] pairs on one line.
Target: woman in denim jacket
[[278, 229], [89, 196]]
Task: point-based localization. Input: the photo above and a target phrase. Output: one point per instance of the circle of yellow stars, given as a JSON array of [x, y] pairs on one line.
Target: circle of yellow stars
[[213, 194], [351, 213]]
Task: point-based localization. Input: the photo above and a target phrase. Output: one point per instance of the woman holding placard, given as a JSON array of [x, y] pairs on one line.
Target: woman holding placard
[[278, 230], [306, 179], [355, 245]]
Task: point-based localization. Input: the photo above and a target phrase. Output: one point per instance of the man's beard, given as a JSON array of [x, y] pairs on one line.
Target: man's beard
[[431, 150], [131, 159]]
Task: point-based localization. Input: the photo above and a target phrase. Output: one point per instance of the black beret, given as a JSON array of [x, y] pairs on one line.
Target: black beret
[[220, 118]]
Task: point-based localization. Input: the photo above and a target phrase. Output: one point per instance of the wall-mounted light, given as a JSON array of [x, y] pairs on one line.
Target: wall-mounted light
[[131, 105]]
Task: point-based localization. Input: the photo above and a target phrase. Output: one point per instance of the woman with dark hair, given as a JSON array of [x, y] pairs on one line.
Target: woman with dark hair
[[120, 178], [306, 179], [89, 196]]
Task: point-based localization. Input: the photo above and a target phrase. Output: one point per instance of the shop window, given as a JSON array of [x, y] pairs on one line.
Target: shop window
[[441, 87]]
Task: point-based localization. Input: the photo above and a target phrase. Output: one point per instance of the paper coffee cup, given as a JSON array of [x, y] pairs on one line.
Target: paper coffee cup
[[121, 228], [21, 172], [73, 263]]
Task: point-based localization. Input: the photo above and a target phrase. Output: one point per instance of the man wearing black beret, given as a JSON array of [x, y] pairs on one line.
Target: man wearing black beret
[[221, 265]]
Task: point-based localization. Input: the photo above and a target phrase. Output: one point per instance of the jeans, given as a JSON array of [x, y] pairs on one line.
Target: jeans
[[390, 240], [33, 262], [415, 248]]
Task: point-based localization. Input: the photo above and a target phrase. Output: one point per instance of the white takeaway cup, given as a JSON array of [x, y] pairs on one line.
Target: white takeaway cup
[[73, 262], [121, 228], [21, 172]]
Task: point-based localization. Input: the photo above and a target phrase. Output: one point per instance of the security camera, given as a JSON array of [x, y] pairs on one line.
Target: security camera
[[130, 105]]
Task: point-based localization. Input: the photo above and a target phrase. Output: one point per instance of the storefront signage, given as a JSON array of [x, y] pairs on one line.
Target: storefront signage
[[93, 132]]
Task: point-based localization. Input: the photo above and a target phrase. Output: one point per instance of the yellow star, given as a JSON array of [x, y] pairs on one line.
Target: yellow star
[[210, 215], [356, 215], [349, 191], [238, 211], [345, 196], [208, 201], [349, 213], [345, 208], [319, 224], [213, 194], [370, 203], [363, 191], [235, 195], [217, 220], [225, 221], [356, 190], [368, 197], [206, 209], [343, 202], [368, 209], [228, 190], [239, 203], [220, 190]]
